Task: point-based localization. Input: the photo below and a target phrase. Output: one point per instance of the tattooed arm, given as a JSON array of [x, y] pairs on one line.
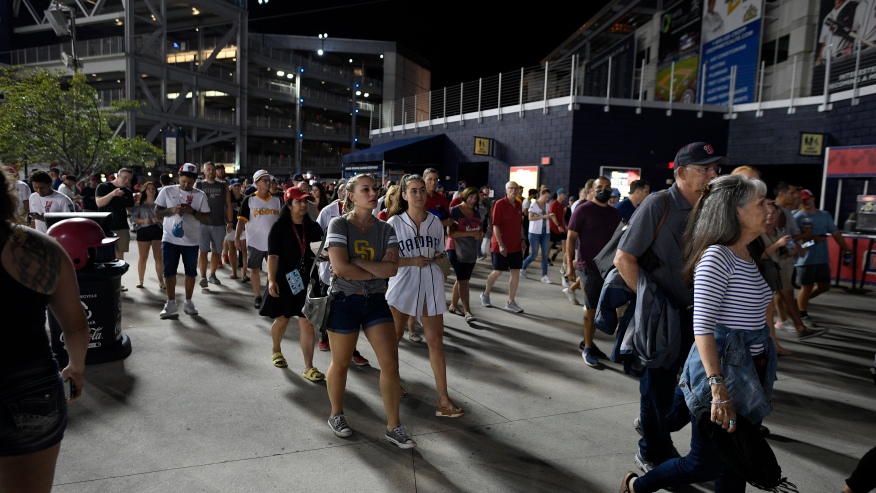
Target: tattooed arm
[[163, 212]]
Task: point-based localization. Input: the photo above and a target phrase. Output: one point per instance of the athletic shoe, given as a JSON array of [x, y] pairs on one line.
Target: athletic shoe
[[571, 295], [644, 465], [170, 309], [323, 344], [485, 300], [203, 282], [338, 424], [245, 279], [414, 337], [637, 424], [358, 359], [566, 282], [590, 358], [213, 279], [787, 325], [809, 322], [593, 349], [189, 308], [225, 258], [512, 306], [523, 274], [400, 438], [258, 302], [810, 333], [546, 280], [671, 452]]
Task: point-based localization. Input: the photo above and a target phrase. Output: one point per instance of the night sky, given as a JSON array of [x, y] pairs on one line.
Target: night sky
[[462, 41]]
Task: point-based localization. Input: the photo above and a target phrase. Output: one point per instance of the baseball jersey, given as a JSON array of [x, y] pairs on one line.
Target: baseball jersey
[[172, 196], [372, 245], [56, 202], [326, 215], [259, 214], [414, 286]]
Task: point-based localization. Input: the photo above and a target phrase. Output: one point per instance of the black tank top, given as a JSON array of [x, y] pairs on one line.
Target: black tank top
[[24, 328]]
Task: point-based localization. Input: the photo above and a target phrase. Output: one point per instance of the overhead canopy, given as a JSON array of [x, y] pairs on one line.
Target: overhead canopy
[[414, 150]]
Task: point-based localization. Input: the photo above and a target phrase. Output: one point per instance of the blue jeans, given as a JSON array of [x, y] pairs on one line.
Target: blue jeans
[[536, 240], [702, 464], [662, 407]]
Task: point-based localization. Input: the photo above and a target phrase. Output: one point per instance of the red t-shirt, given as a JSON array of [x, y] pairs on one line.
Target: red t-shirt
[[455, 202], [437, 204], [509, 218], [559, 210]]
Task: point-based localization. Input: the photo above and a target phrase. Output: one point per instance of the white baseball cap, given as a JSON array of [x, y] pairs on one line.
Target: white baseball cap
[[258, 174], [188, 168]]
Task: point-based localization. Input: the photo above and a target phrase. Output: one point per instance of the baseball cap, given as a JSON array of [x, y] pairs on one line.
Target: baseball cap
[[297, 194], [235, 182], [258, 174], [298, 177], [698, 153], [806, 194], [560, 190], [188, 168], [615, 192]]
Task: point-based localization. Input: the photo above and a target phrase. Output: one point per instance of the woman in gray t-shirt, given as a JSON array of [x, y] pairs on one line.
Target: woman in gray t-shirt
[[364, 254]]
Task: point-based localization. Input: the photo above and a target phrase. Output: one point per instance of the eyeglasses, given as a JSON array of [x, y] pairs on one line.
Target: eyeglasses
[[264, 179], [706, 169]]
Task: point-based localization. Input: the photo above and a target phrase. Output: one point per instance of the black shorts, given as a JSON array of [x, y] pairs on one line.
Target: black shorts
[[591, 284], [150, 233], [33, 408], [557, 237], [813, 274], [463, 270], [513, 261]]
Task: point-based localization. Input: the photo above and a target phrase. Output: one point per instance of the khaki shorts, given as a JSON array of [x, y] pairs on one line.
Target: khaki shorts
[[787, 273], [124, 243]]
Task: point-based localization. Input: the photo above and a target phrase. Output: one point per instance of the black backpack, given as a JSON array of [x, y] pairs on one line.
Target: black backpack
[[604, 260]]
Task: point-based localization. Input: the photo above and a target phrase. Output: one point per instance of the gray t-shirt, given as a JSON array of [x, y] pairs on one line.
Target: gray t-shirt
[[667, 247], [216, 196], [791, 226], [373, 245]]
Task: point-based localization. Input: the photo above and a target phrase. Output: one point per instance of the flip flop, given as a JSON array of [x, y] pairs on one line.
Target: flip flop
[[278, 360], [443, 412], [313, 375], [456, 311]]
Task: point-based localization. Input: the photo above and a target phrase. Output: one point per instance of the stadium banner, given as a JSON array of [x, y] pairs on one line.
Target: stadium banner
[[731, 37], [623, 60], [842, 23], [680, 43]]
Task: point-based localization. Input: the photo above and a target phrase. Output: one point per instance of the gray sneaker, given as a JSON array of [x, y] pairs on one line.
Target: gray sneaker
[[808, 322], [523, 274], [485, 300], [213, 279], [203, 282], [644, 465], [338, 424], [511, 306], [399, 436], [189, 307]]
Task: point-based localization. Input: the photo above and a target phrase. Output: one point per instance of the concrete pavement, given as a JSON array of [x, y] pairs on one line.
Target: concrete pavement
[[198, 406]]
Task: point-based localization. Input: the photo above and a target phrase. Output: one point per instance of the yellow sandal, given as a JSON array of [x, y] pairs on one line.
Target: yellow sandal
[[313, 375], [278, 360]]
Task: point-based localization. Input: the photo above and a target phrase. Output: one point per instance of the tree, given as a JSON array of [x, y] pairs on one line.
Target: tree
[[52, 116]]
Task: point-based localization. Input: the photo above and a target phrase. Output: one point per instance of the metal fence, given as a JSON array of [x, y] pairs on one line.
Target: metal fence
[[52, 53]]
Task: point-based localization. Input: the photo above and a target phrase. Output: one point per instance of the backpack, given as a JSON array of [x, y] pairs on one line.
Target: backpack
[[604, 260]]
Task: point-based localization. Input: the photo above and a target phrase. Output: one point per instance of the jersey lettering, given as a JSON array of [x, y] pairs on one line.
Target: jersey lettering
[[411, 244], [363, 250]]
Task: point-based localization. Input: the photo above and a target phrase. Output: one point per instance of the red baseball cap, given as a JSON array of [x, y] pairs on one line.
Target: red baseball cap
[[806, 194], [295, 193]]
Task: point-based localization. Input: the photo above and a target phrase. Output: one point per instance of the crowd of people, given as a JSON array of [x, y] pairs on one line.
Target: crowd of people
[[708, 260]]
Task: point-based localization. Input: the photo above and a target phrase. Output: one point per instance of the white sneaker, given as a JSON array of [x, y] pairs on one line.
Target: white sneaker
[[566, 282], [485, 299], [546, 280], [571, 295], [523, 273], [189, 308], [808, 322], [170, 309], [787, 326]]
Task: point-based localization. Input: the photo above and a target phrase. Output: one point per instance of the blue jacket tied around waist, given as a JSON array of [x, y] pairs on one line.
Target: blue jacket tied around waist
[[750, 398]]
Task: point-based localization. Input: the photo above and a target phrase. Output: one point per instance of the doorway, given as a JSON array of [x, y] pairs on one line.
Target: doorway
[[474, 174]]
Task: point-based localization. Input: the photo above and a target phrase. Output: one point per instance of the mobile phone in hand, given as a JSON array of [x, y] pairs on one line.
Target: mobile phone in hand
[[439, 256], [69, 390]]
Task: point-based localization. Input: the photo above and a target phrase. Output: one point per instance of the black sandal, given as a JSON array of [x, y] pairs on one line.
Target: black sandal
[[456, 311]]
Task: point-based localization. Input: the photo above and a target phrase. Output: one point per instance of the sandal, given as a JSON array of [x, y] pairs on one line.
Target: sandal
[[278, 360], [455, 311], [625, 486], [313, 374], [444, 412], [232, 276], [140, 284], [161, 286], [469, 318]]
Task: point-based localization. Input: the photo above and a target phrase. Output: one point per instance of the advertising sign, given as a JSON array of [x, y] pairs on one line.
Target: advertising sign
[[680, 43], [851, 162], [621, 178], [623, 60], [525, 176], [731, 37], [841, 23]]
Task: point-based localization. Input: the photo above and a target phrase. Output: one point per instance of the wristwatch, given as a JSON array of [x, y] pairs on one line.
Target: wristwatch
[[716, 379]]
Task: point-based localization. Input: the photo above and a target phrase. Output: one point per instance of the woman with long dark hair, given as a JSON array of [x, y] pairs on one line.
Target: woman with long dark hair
[[148, 228], [317, 191], [290, 260], [35, 273], [418, 288], [363, 251], [465, 233], [730, 301]]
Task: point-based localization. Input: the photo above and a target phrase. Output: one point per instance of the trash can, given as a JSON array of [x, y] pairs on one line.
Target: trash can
[[99, 290]]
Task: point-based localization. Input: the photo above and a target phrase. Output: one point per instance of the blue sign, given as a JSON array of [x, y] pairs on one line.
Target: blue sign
[[737, 48]]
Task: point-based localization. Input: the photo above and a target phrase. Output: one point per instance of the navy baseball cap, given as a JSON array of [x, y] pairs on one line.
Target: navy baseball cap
[[235, 181], [698, 153]]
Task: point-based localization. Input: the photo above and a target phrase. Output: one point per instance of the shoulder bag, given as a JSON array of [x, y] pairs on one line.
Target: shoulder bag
[[316, 304]]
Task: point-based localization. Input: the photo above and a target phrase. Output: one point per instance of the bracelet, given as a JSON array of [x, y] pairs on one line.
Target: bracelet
[[721, 402]]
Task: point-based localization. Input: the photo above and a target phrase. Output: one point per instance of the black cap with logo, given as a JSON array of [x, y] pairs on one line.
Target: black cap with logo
[[698, 153]]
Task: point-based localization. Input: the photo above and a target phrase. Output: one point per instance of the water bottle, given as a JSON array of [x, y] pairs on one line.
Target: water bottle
[[792, 248], [847, 259]]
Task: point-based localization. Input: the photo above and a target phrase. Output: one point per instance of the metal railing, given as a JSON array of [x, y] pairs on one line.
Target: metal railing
[[274, 122], [52, 53]]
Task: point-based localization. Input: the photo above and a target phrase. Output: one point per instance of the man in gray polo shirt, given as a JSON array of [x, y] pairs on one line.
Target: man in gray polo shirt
[[213, 233], [696, 165]]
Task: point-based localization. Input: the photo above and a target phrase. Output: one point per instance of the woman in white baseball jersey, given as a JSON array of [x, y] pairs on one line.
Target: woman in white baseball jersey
[[418, 288]]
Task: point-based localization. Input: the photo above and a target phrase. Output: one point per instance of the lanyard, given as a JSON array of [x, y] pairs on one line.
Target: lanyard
[[301, 242]]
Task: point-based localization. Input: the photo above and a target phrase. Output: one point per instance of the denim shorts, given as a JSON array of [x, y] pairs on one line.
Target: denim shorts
[[33, 408], [170, 254], [349, 313]]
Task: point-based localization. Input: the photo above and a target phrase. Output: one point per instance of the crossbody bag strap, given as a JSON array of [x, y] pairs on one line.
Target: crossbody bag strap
[[663, 219], [314, 271]]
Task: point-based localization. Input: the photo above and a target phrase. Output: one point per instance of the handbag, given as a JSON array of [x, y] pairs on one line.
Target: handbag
[[317, 304]]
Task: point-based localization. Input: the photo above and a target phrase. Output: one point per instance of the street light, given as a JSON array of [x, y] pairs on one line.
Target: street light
[[63, 22], [322, 38]]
